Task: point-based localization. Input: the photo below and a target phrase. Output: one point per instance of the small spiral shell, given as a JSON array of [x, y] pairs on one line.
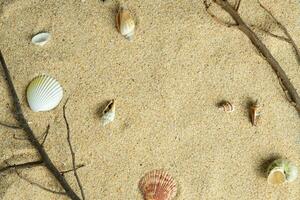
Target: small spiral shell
[[282, 171], [226, 106]]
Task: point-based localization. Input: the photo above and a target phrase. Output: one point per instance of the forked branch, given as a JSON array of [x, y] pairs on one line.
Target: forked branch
[[285, 31], [23, 124], [21, 166], [72, 152], [287, 86]]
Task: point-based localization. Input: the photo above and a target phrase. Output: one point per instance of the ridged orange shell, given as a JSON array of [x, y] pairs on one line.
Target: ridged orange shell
[[158, 185]]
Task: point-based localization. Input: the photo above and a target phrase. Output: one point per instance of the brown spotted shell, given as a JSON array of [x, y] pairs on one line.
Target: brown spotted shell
[[125, 23], [158, 185]]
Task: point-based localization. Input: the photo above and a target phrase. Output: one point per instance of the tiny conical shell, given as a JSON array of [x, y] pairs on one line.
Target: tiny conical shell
[[109, 113], [226, 106], [41, 38], [254, 113], [158, 185], [281, 171], [44, 93], [125, 23]]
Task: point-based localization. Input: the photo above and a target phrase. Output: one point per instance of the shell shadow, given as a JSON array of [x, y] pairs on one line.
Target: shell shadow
[[248, 103], [220, 103], [264, 164], [101, 107]]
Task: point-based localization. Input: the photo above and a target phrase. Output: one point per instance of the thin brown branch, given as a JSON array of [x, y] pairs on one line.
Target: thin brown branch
[[39, 185], [214, 17], [19, 138], [237, 5], [45, 135], [22, 165], [72, 152], [71, 170], [285, 31], [23, 123], [260, 46], [9, 125], [279, 37]]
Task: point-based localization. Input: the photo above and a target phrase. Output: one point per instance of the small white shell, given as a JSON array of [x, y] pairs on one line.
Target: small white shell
[[41, 39], [109, 113], [44, 93], [125, 23], [281, 171]]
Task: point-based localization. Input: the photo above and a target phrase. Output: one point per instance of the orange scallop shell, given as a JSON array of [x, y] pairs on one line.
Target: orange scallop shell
[[158, 185]]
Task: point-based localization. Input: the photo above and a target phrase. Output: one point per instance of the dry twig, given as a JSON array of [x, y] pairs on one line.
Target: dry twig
[[39, 185], [9, 126], [23, 124], [260, 46], [279, 37], [22, 165], [71, 170], [72, 152], [214, 17], [285, 31], [45, 135], [237, 5]]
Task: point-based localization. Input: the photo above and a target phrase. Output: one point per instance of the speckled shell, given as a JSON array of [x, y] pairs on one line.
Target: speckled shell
[[227, 106], [125, 23], [158, 185], [109, 113], [282, 171], [44, 93], [41, 39]]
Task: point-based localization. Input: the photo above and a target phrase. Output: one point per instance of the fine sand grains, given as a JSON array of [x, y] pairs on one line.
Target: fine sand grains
[[166, 83]]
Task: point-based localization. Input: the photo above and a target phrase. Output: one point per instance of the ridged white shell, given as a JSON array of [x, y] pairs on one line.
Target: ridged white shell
[[125, 23], [41, 38], [44, 93], [109, 113]]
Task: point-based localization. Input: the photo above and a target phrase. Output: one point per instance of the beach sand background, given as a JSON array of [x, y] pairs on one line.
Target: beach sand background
[[166, 84]]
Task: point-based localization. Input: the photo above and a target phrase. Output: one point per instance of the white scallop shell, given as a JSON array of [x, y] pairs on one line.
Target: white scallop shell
[[41, 38], [109, 113], [44, 93]]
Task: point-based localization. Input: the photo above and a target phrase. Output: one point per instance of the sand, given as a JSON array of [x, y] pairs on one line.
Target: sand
[[166, 84]]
